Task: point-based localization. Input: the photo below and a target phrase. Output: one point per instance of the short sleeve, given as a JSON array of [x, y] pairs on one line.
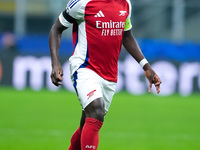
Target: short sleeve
[[75, 8], [128, 24], [74, 11]]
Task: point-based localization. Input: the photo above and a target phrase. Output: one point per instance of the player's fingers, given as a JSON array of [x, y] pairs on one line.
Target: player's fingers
[[55, 80], [59, 75], [150, 86], [158, 88], [157, 80], [60, 78], [57, 83], [157, 83]]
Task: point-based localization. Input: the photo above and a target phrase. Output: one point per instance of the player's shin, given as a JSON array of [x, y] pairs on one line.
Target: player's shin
[[90, 134]]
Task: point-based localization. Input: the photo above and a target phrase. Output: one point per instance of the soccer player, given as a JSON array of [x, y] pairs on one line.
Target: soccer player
[[100, 27]]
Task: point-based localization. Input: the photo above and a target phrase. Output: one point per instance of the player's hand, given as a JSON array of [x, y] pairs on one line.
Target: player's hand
[[153, 79], [56, 75]]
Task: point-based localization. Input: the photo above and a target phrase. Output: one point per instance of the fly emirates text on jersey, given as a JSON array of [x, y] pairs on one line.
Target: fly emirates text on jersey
[[111, 28]]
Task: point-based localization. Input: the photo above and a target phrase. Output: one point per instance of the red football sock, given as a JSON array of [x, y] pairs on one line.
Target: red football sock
[[76, 140], [90, 134]]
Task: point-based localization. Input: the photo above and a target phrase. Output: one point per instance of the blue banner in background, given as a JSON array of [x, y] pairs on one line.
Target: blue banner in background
[[178, 65], [152, 49], [163, 49], [34, 44]]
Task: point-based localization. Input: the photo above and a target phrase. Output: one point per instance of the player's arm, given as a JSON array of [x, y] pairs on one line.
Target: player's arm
[[54, 45], [134, 50], [74, 11]]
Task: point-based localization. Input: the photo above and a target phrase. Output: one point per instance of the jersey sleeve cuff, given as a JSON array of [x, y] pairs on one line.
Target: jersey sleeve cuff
[[128, 28], [63, 21]]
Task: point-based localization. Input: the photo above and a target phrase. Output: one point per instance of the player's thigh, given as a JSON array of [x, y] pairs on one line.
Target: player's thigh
[[108, 93], [88, 87]]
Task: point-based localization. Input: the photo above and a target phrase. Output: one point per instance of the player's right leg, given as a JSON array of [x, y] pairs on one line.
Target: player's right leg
[[89, 92], [95, 95], [94, 116]]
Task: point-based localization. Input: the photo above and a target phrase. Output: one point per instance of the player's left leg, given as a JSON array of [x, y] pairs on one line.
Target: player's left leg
[[76, 140], [76, 137]]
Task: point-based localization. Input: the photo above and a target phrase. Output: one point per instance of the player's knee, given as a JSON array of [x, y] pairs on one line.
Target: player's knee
[[96, 110], [99, 114]]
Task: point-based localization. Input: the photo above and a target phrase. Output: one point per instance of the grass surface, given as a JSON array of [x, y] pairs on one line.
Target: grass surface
[[46, 120]]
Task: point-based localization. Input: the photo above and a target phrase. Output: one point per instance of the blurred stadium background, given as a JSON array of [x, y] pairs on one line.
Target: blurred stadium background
[[167, 31], [169, 36]]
